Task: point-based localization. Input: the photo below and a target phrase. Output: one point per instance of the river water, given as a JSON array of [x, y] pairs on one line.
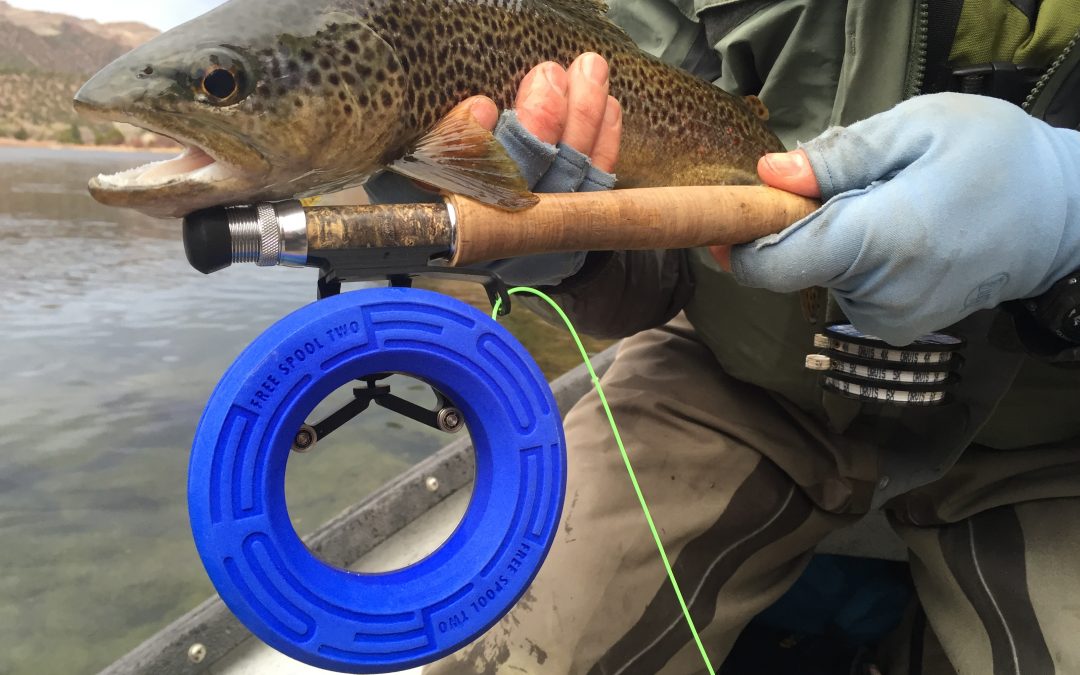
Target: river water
[[109, 347]]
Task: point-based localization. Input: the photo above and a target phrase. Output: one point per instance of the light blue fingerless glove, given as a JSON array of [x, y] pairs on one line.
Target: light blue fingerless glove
[[547, 168], [942, 206]]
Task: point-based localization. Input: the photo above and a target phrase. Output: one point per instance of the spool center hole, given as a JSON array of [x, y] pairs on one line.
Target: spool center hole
[[371, 452]]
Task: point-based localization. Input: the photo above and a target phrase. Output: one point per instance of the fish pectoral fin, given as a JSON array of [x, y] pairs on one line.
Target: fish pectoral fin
[[460, 156], [758, 107], [592, 14]]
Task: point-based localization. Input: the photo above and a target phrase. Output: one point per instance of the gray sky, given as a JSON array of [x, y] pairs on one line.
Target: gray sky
[[163, 14]]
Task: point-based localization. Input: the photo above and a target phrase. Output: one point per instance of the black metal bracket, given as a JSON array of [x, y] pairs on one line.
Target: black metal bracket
[[330, 282], [445, 417]]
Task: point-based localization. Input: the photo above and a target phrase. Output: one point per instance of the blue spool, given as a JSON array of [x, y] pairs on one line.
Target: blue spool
[[370, 623]]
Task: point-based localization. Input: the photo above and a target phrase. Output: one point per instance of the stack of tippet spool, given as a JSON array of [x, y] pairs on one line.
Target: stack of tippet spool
[[867, 368]]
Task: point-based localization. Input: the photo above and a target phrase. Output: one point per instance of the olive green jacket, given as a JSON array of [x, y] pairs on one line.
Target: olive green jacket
[[818, 63]]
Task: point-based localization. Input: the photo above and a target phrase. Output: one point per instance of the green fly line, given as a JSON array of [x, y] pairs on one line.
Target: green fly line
[[625, 457]]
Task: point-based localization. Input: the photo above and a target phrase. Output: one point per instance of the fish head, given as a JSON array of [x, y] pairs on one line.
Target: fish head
[[271, 101]]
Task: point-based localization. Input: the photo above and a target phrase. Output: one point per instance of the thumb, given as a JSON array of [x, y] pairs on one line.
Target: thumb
[[482, 109], [789, 171]]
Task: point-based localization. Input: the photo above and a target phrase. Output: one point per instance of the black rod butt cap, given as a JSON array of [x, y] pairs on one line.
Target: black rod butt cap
[[207, 240]]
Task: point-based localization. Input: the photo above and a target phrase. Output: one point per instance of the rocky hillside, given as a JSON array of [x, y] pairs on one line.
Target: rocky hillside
[[44, 58]]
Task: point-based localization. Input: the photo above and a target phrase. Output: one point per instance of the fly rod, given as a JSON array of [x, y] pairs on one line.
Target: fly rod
[[462, 232]]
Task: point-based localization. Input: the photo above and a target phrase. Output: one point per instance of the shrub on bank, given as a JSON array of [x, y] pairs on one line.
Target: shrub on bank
[[109, 135], [71, 135]]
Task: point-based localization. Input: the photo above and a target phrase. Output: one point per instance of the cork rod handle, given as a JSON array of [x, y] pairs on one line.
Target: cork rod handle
[[638, 219]]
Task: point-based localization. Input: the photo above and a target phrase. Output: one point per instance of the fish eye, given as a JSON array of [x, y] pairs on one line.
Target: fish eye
[[221, 86]]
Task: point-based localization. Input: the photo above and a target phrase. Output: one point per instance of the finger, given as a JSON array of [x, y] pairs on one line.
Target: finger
[[541, 102], [483, 110], [587, 102], [789, 171], [605, 154], [722, 255]]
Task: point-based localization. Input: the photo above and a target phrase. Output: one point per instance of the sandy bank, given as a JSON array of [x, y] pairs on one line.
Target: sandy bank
[[53, 145]]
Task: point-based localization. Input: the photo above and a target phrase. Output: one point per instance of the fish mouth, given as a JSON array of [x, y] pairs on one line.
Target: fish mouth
[[193, 165], [196, 178], [197, 164]]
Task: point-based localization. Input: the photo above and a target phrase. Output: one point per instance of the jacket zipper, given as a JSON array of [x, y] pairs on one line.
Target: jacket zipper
[[917, 63], [1054, 67]]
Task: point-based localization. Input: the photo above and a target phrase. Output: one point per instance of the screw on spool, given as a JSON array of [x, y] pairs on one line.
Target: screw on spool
[[866, 368], [451, 420], [374, 623], [305, 439]]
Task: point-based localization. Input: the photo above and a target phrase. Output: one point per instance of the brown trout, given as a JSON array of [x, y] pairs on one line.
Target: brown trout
[[276, 99]]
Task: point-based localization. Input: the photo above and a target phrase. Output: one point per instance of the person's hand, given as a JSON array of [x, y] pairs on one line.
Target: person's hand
[[564, 133], [568, 107], [942, 206]]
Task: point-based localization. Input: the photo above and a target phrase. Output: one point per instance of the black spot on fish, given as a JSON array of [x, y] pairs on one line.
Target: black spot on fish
[[314, 77], [307, 56], [345, 60], [387, 99], [363, 70], [352, 46], [293, 66], [392, 66], [349, 78], [348, 110], [334, 79], [298, 102], [342, 96], [363, 100], [324, 63]]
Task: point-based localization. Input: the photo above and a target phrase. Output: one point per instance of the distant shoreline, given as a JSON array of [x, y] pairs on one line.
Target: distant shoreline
[[53, 145]]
